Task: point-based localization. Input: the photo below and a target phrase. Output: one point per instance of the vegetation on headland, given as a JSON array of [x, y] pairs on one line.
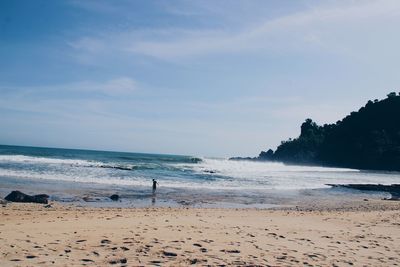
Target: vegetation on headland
[[366, 139]]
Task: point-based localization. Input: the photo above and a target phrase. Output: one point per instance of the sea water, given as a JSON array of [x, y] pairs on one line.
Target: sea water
[[69, 174]]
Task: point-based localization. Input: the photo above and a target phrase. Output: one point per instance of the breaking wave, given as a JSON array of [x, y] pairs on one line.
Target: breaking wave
[[181, 172]]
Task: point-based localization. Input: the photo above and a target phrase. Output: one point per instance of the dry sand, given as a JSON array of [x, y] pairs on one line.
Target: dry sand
[[62, 235]]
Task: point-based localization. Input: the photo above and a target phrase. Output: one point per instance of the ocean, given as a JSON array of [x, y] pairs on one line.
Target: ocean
[[71, 175]]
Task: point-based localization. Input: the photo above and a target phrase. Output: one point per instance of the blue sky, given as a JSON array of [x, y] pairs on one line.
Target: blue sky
[[207, 78]]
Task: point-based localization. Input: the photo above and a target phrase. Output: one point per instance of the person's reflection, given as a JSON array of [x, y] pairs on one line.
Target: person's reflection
[[153, 199]]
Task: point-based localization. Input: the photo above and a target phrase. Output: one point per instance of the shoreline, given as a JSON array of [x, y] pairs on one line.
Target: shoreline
[[90, 194], [65, 235], [346, 203]]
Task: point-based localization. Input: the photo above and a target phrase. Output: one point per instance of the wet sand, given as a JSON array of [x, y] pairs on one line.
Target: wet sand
[[69, 235]]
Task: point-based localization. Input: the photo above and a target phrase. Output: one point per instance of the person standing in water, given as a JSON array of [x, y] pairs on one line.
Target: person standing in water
[[155, 183]]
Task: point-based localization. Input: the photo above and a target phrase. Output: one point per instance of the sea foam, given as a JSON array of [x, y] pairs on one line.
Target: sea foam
[[179, 172]]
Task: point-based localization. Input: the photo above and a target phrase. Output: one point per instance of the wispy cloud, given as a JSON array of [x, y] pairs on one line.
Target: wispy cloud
[[297, 31], [119, 86]]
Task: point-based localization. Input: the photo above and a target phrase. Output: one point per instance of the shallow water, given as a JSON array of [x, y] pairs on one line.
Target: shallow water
[[67, 175]]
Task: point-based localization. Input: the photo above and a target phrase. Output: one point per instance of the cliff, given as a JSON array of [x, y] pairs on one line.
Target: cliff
[[366, 139]]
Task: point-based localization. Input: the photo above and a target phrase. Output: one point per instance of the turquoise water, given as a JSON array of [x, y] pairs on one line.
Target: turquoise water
[[68, 174]]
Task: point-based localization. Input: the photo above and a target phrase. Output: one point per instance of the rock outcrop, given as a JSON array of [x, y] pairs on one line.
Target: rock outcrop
[[114, 197], [17, 196], [393, 189]]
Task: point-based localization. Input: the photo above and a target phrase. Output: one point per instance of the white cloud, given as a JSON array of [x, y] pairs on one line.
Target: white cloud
[[329, 27]]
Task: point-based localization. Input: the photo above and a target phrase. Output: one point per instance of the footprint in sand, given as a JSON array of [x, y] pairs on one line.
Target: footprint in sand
[[169, 254], [105, 241], [31, 256], [122, 261], [87, 260], [230, 251]]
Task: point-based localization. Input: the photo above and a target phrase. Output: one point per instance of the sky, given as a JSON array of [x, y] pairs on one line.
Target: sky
[[206, 78]]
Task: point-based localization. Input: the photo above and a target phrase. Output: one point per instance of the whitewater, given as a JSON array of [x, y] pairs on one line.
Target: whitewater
[[134, 171]]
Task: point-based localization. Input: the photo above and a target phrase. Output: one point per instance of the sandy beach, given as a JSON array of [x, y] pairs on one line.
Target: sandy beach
[[199, 133], [70, 235]]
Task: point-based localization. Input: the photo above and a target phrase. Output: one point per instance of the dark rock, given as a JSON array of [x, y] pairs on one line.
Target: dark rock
[[183, 202], [393, 189], [370, 187], [123, 168], [17, 196], [41, 196], [269, 155], [88, 199], [244, 158], [114, 197]]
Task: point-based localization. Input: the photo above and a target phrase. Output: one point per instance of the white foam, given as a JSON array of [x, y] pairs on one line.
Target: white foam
[[44, 160], [100, 179], [274, 175], [253, 169], [209, 174]]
